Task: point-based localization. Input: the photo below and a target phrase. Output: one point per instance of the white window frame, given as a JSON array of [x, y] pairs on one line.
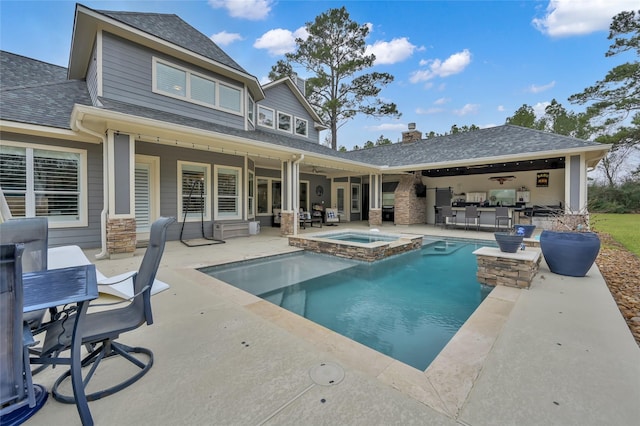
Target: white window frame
[[273, 115], [355, 208], [207, 191], [238, 197], [282, 115], [30, 192], [306, 127], [251, 110], [219, 95], [251, 192], [187, 98], [270, 181]]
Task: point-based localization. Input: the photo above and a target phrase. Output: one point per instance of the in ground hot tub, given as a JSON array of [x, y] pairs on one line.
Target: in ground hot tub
[[361, 245]]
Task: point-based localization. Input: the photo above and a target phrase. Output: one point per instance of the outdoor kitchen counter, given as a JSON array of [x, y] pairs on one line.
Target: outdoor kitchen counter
[[487, 216]]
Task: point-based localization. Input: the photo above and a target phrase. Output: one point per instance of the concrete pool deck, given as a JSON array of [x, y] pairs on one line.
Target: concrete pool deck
[[559, 353]]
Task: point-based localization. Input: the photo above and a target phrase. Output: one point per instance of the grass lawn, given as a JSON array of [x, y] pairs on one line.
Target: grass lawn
[[624, 228]]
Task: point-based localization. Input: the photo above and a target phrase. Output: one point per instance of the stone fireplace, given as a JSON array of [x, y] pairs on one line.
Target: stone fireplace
[[409, 208]]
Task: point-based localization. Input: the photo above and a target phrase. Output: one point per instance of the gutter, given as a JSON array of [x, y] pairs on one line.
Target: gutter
[[105, 188]]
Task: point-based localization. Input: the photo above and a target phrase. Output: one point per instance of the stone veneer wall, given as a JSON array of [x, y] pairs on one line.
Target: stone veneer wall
[[409, 209], [507, 271], [375, 217], [121, 236], [286, 223], [369, 254]]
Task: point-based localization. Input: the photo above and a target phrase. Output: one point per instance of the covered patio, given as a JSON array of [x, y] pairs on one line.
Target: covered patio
[[558, 353]]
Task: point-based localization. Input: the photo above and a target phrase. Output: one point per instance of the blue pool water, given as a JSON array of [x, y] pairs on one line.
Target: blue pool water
[[408, 306], [359, 237]]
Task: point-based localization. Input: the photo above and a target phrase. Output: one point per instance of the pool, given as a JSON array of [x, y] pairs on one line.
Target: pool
[[408, 306]]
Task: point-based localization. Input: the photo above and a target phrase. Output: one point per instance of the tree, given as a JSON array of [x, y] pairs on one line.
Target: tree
[[618, 95], [524, 117], [383, 141], [334, 53]]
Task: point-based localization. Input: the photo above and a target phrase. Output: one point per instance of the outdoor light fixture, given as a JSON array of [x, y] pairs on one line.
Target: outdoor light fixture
[[502, 179]]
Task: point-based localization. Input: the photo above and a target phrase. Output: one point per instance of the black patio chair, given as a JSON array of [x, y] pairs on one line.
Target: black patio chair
[[101, 329]]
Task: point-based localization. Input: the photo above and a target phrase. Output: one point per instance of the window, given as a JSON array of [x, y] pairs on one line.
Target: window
[[265, 116], [193, 192], [250, 194], [284, 122], [355, 198], [45, 182], [301, 127], [251, 106], [184, 84], [171, 80], [304, 196], [203, 90], [228, 193], [230, 98], [268, 195]]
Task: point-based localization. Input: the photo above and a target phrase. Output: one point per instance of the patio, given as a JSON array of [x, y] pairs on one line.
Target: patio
[[558, 353]]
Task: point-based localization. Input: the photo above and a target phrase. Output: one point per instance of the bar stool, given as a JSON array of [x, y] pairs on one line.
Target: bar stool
[[471, 213], [502, 214], [446, 212]]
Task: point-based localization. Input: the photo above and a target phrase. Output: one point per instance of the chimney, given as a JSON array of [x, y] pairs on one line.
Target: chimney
[[412, 134]]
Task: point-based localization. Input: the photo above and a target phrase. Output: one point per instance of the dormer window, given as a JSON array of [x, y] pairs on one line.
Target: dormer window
[[302, 126], [266, 117], [284, 122], [182, 83]]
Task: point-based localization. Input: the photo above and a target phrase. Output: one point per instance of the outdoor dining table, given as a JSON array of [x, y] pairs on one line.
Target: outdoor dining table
[[59, 287]]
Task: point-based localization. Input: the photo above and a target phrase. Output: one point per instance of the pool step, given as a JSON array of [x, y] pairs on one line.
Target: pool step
[[441, 247]]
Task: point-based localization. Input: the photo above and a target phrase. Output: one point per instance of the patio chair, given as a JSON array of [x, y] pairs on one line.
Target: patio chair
[[331, 217], [471, 213], [101, 329], [19, 397], [447, 212], [502, 215], [33, 234]]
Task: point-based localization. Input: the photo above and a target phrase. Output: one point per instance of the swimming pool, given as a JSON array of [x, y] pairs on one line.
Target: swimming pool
[[407, 306]]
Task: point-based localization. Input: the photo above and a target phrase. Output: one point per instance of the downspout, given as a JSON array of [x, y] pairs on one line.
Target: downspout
[[105, 189], [296, 191]]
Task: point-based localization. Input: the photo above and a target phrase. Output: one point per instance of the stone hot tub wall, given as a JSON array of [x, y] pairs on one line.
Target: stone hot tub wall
[[409, 209]]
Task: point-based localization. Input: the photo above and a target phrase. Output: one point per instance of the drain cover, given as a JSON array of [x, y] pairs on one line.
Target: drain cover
[[326, 374]]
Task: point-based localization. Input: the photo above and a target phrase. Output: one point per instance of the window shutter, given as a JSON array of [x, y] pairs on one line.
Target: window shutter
[[56, 184], [143, 196]]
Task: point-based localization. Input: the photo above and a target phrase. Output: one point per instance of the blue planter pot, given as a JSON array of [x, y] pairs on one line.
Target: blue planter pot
[[569, 253], [508, 243], [526, 230]]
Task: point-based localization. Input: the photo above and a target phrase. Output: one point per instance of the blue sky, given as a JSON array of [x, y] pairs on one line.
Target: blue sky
[[454, 62]]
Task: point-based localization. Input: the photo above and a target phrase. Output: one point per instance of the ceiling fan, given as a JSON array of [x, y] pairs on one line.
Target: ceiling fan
[[314, 169]]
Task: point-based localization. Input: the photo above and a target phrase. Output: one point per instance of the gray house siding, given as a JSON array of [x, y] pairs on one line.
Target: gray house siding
[[281, 99], [127, 77], [92, 77], [169, 157], [84, 236]]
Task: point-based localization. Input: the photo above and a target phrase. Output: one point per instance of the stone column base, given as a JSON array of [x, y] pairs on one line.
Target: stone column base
[[121, 237], [286, 223], [375, 217], [509, 269]]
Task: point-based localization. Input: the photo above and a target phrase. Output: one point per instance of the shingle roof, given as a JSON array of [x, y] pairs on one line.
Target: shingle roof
[[257, 135], [20, 71], [35, 92], [504, 140], [172, 28]]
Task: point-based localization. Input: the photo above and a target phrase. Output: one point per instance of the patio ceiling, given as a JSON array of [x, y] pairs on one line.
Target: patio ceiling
[[506, 167]]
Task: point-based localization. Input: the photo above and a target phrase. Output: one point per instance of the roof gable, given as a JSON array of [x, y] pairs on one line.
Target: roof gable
[[300, 96]]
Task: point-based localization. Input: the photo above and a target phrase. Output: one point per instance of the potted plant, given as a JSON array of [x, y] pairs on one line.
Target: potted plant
[[509, 242], [570, 248]]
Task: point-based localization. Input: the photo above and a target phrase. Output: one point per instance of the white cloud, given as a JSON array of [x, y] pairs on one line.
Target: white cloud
[[280, 41], [500, 108], [571, 17], [224, 38], [253, 10], [441, 101], [537, 89], [539, 108], [428, 111], [391, 52], [386, 127], [454, 64], [466, 110]]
